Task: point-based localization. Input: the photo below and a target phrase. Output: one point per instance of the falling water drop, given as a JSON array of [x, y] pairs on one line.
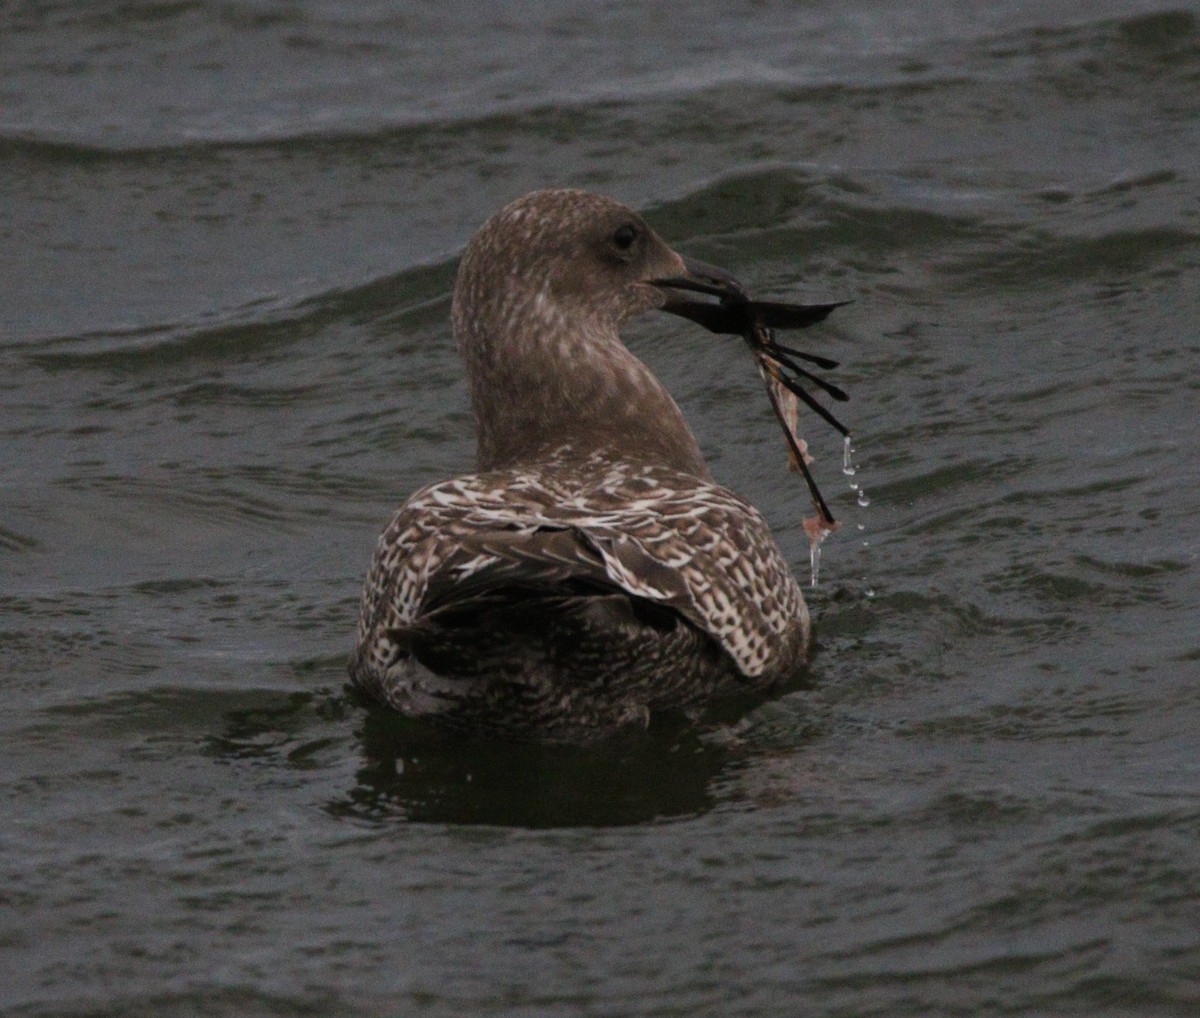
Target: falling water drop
[[862, 498], [814, 560], [848, 468]]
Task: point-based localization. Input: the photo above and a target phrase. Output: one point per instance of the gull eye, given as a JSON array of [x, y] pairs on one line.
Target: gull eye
[[624, 236]]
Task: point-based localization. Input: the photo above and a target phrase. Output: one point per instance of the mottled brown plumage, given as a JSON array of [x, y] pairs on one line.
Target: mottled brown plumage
[[591, 572]]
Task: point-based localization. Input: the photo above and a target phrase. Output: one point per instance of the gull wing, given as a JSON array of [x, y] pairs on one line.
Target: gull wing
[[649, 532]]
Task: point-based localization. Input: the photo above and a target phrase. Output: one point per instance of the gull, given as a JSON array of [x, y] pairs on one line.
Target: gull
[[590, 573]]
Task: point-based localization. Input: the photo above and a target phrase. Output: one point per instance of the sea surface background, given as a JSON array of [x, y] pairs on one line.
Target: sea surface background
[[228, 235]]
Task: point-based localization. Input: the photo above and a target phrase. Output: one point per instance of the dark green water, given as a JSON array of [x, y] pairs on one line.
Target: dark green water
[[227, 241]]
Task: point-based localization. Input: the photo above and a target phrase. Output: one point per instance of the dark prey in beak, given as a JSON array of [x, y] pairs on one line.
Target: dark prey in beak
[[735, 313]]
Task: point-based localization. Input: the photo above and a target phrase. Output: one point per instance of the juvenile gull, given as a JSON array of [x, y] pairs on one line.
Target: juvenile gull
[[591, 571]]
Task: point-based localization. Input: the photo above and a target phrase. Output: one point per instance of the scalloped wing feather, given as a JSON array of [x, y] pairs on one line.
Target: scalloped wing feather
[[652, 532]]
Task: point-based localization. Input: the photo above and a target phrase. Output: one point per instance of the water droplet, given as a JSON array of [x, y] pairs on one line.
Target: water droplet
[[862, 498], [814, 560], [848, 468], [869, 592]]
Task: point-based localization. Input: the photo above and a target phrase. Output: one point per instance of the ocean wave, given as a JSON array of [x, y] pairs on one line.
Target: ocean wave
[[412, 297], [375, 101]]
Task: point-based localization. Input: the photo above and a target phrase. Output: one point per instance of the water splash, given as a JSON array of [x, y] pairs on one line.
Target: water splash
[[817, 530], [815, 527], [849, 469], [860, 492]]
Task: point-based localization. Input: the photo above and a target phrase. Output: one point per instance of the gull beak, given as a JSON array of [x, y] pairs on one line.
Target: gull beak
[[733, 313], [684, 295], [701, 277]]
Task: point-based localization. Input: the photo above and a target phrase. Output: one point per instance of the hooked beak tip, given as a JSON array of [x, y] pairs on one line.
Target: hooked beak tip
[[704, 278]]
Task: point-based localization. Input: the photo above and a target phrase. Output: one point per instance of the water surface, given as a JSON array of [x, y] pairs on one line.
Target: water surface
[[229, 237]]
